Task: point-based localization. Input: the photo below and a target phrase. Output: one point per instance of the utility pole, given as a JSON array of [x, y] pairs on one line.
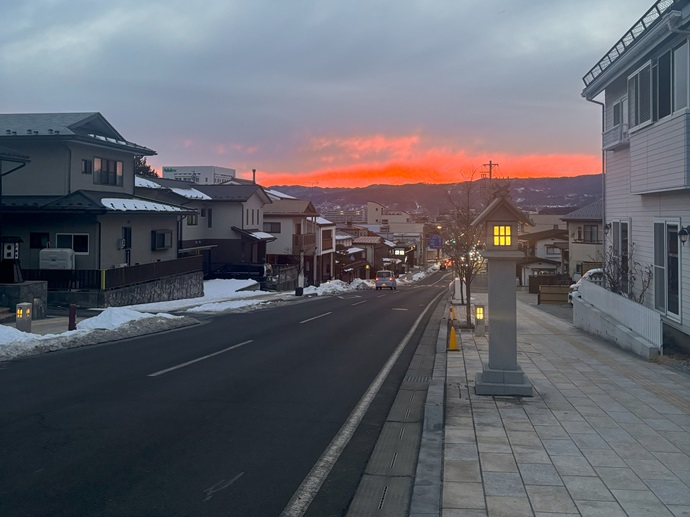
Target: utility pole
[[491, 166]]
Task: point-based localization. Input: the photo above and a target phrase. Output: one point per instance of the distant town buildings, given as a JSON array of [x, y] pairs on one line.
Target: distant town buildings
[[201, 174]]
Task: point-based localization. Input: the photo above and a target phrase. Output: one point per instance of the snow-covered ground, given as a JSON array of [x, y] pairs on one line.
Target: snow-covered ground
[[122, 322]]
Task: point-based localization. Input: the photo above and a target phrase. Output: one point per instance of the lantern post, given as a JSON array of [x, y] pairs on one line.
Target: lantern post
[[502, 375]]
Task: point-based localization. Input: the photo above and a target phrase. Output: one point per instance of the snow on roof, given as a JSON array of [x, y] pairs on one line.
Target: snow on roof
[[323, 221], [278, 195], [143, 182], [262, 235], [190, 193], [354, 250], [390, 244], [137, 205]]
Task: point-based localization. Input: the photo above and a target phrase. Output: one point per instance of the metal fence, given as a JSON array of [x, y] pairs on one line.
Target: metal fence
[[105, 279]]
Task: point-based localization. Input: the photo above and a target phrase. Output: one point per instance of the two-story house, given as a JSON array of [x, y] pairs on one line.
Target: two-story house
[[77, 194], [644, 82], [585, 234], [293, 223], [227, 226]]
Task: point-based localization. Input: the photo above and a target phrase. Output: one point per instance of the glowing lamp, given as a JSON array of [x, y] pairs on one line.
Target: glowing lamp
[[502, 235]]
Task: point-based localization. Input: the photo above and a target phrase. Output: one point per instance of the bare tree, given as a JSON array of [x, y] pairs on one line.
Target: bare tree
[[462, 241], [622, 272]]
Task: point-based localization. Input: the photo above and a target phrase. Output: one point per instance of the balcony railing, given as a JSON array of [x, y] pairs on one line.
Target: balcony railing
[[305, 243], [615, 137]]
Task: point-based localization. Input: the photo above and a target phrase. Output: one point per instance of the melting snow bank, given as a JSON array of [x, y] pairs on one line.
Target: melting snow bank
[[111, 325]]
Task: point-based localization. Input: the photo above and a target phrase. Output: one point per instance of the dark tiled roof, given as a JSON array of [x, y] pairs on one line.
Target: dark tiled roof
[[88, 126], [291, 207], [11, 155], [592, 212]]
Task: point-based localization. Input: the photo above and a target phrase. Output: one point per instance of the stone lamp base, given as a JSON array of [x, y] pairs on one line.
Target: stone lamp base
[[502, 382]]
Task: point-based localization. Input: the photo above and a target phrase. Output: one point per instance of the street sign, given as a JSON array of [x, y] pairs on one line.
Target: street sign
[[435, 242]]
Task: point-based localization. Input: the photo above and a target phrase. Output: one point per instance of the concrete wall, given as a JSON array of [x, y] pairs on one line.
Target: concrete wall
[[592, 320], [172, 288]]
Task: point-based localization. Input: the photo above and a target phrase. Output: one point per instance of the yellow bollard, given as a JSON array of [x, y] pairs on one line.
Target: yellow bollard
[[452, 314], [452, 341]]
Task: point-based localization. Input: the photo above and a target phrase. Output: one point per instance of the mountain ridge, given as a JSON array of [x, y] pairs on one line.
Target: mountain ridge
[[530, 194]]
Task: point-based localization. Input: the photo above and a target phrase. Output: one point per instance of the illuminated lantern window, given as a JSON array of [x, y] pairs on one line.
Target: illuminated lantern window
[[480, 313], [502, 236]]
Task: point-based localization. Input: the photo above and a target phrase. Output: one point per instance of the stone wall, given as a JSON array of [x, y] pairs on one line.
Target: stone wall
[[178, 287], [34, 292]]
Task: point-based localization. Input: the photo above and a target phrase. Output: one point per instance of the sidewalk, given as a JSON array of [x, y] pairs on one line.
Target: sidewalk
[[606, 433]]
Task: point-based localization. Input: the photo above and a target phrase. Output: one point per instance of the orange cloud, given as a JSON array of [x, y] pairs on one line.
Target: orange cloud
[[439, 166]]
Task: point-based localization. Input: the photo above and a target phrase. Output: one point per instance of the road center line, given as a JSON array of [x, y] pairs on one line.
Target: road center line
[[161, 372], [363, 301], [306, 492], [316, 317]]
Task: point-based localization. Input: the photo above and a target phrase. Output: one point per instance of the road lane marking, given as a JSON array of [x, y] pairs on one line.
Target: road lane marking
[[398, 309], [221, 485], [176, 367], [311, 485], [316, 317], [358, 303]]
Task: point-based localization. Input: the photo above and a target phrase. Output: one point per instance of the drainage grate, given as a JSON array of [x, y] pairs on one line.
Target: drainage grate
[[417, 378]]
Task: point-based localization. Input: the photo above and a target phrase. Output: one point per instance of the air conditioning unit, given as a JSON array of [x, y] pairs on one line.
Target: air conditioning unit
[[121, 244], [56, 258]]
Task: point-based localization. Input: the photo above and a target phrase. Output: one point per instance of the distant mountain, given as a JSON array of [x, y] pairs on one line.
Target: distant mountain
[[530, 194]]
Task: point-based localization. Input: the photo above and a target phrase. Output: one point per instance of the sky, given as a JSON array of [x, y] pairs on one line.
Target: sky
[[326, 93], [219, 296]]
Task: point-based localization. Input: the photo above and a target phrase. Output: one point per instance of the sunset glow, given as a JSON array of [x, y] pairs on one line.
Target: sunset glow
[[358, 161]]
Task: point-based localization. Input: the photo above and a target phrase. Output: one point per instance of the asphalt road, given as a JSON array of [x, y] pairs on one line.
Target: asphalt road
[[226, 418]]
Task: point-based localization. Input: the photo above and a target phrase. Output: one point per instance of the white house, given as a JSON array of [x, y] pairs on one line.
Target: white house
[[644, 83]]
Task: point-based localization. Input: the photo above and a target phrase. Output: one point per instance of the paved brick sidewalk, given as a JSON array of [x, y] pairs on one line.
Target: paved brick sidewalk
[[606, 432]]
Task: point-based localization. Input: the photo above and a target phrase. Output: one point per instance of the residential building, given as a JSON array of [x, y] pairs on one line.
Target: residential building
[[77, 194], [200, 174], [293, 223], [644, 81], [227, 226], [585, 239]]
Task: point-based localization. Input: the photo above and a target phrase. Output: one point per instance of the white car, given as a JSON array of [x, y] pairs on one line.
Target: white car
[[595, 275]]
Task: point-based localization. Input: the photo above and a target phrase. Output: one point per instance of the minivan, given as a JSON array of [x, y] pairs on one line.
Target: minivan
[[385, 278]]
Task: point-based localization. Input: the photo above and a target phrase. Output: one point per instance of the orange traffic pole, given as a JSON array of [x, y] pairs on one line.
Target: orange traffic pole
[[452, 341]]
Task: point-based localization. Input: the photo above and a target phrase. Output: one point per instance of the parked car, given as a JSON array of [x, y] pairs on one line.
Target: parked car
[[595, 275], [385, 278]]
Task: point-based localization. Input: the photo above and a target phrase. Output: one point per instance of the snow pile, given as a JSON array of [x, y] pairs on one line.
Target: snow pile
[[124, 322]]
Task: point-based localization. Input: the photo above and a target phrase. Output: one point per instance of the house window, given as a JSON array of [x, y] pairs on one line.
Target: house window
[[192, 220], [666, 269], [161, 240], [591, 234], [272, 227], [209, 221], [552, 250], [203, 212], [640, 96], [107, 172], [680, 77], [39, 240], [86, 166], [79, 242]]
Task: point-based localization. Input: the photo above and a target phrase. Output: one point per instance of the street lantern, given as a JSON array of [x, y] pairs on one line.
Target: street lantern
[[502, 375]]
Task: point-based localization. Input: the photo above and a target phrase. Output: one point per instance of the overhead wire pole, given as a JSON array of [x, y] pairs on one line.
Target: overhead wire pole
[[491, 166]]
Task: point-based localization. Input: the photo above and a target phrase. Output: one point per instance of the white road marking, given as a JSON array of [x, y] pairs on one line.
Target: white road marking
[[316, 317], [161, 372], [398, 309], [358, 303], [221, 485], [306, 492]]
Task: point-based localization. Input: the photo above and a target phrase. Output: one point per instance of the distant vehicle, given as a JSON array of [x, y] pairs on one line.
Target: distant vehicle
[[595, 275], [385, 278]]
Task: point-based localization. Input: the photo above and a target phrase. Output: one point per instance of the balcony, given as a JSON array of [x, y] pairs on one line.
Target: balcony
[[305, 243], [615, 138]]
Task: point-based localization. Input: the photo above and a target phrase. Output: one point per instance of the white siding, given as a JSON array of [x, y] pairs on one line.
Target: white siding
[[658, 156]]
